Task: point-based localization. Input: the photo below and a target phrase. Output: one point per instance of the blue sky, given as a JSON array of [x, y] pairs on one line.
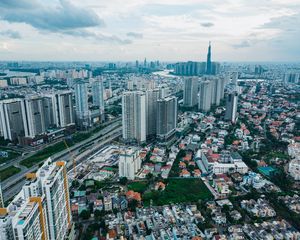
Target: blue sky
[[168, 30]]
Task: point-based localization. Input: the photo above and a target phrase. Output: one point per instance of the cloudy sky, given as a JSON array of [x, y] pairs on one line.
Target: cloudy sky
[[168, 30]]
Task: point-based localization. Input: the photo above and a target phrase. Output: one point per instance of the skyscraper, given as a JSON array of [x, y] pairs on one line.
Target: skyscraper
[[208, 62], [151, 111], [82, 107], [98, 93], [65, 111], [134, 116], [166, 122], [13, 121], [190, 92], [35, 115], [204, 103], [231, 107]]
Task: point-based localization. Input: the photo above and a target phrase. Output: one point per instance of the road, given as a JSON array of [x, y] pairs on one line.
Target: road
[[12, 185], [15, 162]]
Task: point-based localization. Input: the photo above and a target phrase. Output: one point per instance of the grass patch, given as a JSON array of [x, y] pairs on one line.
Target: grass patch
[[43, 154], [179, 191], [8, 172], [138, 186], [11, 155]]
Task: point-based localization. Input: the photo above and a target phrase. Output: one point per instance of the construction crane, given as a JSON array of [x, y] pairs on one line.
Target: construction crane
[[73, 158]]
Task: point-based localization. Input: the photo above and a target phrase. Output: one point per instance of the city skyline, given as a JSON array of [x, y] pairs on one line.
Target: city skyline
[[71, 30]]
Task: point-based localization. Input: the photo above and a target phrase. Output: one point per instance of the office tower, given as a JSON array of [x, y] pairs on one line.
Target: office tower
[[231, 107], [13, 121], [129, 163], [205, 90], [82, 107], [35, 115], [134, 116], [151, 111], [166, 122], [208, 62], [98, 93], [190, 92]]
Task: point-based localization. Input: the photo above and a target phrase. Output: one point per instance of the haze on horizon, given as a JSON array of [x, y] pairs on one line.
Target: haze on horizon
[[168, 30]]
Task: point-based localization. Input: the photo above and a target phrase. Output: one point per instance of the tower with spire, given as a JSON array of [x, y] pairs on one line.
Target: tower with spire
[[208, 62]]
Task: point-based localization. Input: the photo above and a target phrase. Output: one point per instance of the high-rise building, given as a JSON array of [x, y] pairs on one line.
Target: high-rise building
[[164, 91], [291, 78], [35, 115], [208, 62], [41, 210], [130, 85], [13, 121], [134, 116], [58, 109], [205, 90], [98, 93], [166, 122], [129, 163], [234, 78], [190, 68], [82, 106], [231, 107], [151, 111], [190, 92], [6, 230], [65, 111]]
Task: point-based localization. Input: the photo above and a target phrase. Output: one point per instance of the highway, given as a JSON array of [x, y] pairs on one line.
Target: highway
[[12, 185], [15, 162]]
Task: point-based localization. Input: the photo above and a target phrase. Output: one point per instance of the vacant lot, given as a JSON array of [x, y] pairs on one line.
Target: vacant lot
[[138, 186], [179, 191]]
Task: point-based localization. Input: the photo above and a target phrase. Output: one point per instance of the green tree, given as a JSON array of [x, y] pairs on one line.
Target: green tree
[[85, 215], [123, 181]]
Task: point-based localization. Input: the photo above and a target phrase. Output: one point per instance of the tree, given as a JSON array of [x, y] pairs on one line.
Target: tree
[[123, 180], [133, 204], [85, 214]]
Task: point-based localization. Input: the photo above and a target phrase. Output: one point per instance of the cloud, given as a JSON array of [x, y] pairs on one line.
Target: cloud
[[134, 35], [11, 34], [97, 36], [207, 24], [243, 44], [51, 17]]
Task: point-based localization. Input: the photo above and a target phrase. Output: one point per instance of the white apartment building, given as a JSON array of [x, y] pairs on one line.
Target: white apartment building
[[41, 210], [134, 116], [129, 163]]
